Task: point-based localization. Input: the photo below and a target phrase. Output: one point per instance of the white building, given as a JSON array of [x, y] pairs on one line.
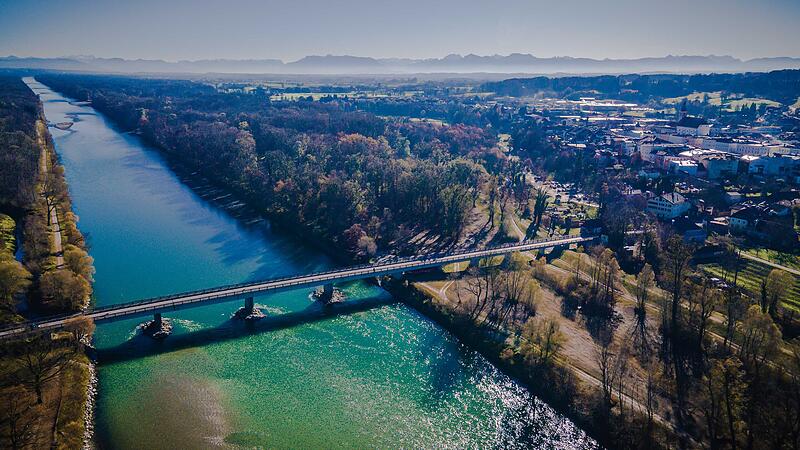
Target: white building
[[668, 206], [683, 166], [692, 126], [776, 166]]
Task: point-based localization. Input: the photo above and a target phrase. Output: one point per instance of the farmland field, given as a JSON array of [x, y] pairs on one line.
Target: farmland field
[[750, 276]]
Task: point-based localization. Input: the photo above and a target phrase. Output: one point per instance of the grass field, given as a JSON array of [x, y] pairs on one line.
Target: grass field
[[785, 259], [714, 99], [750, 276], [455, 267], [736, 104]]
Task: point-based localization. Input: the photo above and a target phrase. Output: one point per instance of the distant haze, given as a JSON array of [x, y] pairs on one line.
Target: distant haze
[[478, 67], [290, 30]]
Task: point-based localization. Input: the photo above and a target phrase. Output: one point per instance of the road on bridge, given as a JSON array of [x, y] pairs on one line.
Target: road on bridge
[[225, 293]]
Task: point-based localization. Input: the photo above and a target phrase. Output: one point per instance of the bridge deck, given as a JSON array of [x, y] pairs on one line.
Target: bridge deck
[[226, 293]]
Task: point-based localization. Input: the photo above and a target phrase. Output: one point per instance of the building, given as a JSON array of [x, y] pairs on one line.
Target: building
[[668, 206], [771, 224], [692, 232], [733, 197], [775, 166], [683, 166], [650, 146], [720, 166], [692, 126], [743, 219]]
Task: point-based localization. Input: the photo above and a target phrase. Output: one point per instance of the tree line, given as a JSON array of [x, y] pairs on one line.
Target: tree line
[[347, 176]]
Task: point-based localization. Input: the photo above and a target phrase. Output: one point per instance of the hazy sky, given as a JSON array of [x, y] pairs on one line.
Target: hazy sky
[[290, 29]]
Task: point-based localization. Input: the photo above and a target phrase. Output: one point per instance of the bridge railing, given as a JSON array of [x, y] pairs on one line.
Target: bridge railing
[[288, 281]]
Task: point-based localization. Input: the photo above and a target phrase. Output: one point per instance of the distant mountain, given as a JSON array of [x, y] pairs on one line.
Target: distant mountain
[[332, 64], [42, 63], [515, 63]]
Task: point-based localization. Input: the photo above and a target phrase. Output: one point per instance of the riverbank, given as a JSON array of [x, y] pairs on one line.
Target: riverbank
[[553, 385], [554, 382], [48, 377], [72, 428], [436, 384]]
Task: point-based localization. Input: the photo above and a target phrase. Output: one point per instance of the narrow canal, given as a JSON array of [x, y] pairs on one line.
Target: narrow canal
[[378, 375]]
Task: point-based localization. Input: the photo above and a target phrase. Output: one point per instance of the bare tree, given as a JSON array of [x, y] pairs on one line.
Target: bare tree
[[761, 339], [773, 289], [542, 340], [19, 419], [645, 281], [724, 402], [518, 292], [676, 270], [703, 300], [651, 402], [605, 361], [483, 285], [39, 361]]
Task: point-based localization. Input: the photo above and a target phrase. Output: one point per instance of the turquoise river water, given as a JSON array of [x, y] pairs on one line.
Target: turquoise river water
[[377, 375]]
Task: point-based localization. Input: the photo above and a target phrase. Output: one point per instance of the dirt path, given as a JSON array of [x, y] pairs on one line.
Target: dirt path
[[578, 352], [520, 234], [55, 227]]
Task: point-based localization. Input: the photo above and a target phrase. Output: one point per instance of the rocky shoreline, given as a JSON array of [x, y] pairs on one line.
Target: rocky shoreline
[[89, 408]]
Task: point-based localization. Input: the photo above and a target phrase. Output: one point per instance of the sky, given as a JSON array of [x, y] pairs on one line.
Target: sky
[[290, 29]]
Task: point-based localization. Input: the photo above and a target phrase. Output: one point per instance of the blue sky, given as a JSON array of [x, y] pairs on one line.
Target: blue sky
[[290, 29]]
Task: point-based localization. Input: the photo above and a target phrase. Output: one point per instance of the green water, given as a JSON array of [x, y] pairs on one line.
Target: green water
[[374, 374]]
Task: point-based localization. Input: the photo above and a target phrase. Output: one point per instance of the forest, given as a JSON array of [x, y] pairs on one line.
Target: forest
[[43, 378], [348, 176], [782, 86]]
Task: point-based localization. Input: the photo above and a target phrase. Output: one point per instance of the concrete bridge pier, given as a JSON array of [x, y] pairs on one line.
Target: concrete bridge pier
[[248, 312], [475, 262], [327, 293], [507, 260], [158, 328]]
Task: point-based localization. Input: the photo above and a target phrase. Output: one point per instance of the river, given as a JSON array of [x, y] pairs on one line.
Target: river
[[378, 375]]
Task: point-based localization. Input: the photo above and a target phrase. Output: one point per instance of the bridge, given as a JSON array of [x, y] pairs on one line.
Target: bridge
[[156, 306]]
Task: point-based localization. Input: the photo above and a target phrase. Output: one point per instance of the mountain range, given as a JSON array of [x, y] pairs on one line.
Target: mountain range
[[515, 63]]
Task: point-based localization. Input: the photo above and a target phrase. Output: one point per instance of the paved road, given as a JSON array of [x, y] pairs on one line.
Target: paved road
[[225, 293]]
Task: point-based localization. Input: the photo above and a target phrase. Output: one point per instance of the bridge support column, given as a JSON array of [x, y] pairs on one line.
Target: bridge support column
[[475, 262], [158, 328], [248, 312], [327, 293], [507, 260]]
